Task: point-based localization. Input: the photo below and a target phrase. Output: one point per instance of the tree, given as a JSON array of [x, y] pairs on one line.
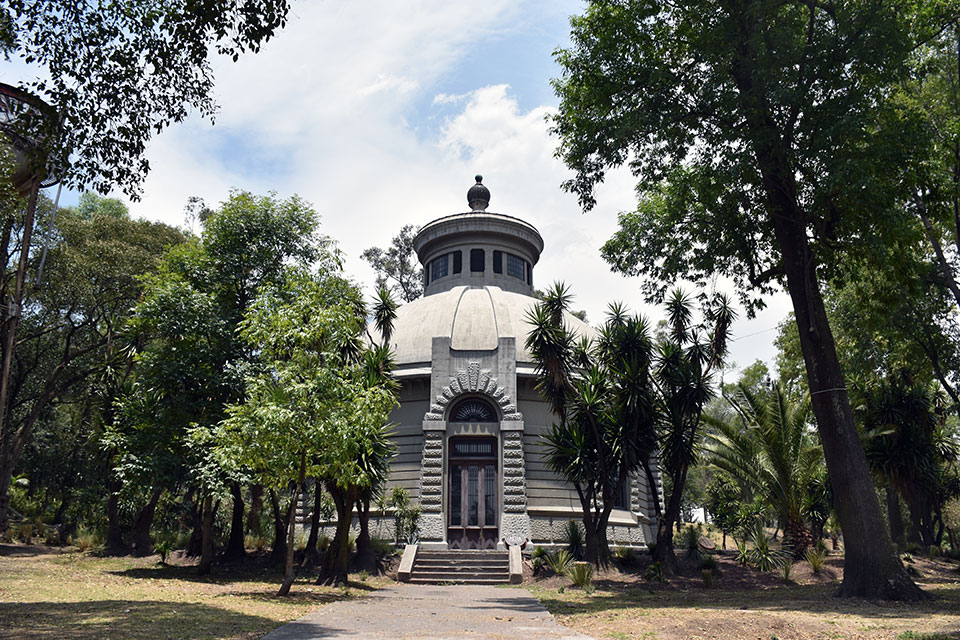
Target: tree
[[907, 443], [764, 148], [191, 360], [396, 266], [72, 328], [772, 452], [602, 398], [623, 399], [723, 504], [309, 411], [116, 74]]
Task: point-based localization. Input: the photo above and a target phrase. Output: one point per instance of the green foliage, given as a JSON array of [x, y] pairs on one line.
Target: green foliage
[[573, 535], [707, 576], [559, 561], [654, 572], [723, 502], [763, 556], [397, 267], [581, 574], [691, 540], [816, 558], [406, 516], [786, 569], [145, 66], [743, 553], [709, 563], [771, 451], [163, 547]]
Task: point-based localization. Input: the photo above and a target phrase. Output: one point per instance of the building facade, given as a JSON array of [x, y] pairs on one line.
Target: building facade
[[470, 419]]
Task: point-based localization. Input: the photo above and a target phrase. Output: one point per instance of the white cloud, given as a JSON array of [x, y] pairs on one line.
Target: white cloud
[[334, 109]]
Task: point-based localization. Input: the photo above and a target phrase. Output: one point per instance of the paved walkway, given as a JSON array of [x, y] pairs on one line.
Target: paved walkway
[[435, 612]]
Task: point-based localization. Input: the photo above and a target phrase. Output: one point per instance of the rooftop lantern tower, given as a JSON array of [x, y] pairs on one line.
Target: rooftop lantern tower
[[478, 248]]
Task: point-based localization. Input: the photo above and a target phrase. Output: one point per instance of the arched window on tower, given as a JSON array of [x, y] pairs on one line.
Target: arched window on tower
[[473, 410]]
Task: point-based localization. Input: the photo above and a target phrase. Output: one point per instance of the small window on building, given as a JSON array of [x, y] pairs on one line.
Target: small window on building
[[498, 261], [515, 267], [457, 261], [477, 260], [529, 275], [473, 410], [438, 268]]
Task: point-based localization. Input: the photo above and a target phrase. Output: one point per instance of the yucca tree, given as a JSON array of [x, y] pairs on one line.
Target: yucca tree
[[906, 443], [601, 395], [683, 373], [772, 450]]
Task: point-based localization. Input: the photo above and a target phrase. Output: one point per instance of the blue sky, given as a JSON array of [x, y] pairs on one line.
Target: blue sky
[[380, 113]]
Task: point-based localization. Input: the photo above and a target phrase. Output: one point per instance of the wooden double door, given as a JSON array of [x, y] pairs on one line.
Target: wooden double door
[[472, 521]]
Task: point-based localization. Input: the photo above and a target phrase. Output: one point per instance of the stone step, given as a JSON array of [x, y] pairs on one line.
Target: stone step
[[433, 562], [459, 580], [463, 555]]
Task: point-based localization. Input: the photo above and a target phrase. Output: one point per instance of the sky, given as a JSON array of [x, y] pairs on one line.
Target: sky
[[380, 113]]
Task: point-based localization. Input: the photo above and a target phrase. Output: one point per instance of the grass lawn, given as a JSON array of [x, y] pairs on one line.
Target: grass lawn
[[64, 594], [744, 604]]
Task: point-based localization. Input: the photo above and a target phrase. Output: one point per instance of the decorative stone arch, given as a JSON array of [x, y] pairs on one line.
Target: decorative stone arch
[[473, 380]]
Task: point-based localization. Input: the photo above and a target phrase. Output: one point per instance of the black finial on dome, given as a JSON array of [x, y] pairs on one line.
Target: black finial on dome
[[478, 197]]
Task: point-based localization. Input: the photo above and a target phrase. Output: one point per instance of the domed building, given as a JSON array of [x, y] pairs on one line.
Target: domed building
[[470, 417]]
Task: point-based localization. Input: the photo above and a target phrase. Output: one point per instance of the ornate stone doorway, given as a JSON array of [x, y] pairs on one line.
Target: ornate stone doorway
[[472, 522]]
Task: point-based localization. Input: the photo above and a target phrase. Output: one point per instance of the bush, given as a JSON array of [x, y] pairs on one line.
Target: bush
[[709, 563], [691, 540], [539, 552], [382, 547], [651, 546], [707, 576], [323, 542], [743, 555], [581, 574], [251, 541], [763, 556], [559, 562], [654, 573], [87, 540], [816, 559], [300, 541], [537, 565], [573, 534], [787, 569], [163, 547]]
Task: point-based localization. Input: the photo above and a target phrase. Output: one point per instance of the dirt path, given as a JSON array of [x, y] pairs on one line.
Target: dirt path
[[435, 612]]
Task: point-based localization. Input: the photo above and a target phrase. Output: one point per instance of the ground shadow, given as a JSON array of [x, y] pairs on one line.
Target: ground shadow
[[123, 619], [816, 599], [27, 550]]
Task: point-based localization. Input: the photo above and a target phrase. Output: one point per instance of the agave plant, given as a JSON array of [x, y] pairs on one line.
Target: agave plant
[[559, 562], [763, 556]]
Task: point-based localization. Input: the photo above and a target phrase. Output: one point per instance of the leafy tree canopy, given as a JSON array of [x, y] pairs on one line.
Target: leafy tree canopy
[[118, 73]]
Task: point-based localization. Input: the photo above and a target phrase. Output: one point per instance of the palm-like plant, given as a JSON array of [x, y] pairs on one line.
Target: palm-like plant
[[771, 449], [384, 313]]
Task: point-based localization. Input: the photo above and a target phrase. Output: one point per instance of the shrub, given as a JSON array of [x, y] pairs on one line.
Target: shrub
[[691, 540], [362, 575], [257, 542], [581, 574], [934, 552], [573, 534], [787, 569], [559, 561], [907, 558], [25, 532], [651, 546], [537, 565], [707, 576], [87, 540], [539, 552], [821, 546], [624, 554], [382, 547], [300, 541], [323, 542], [816, 559], [743, 555], [654, 573], [763, 556], [163, 547], [709, 563]]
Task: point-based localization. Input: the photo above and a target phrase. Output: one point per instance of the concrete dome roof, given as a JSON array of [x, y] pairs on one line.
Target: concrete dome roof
[[474, 318]]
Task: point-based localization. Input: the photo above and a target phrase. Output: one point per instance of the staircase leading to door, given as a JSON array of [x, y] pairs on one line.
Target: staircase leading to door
[[461, 567]]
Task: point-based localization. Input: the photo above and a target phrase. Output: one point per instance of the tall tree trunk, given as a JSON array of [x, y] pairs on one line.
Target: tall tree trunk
[[366, 559], [235, 549], [288, 573], [872, 568], [195, 545], [114, 544], [334, 569], [796, 537], [894, 516], [206, 547], [256, 506], [664, 552], [311, 555], [140, 532], [278, 553]]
